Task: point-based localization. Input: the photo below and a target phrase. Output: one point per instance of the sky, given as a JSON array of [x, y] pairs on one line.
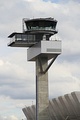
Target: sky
[[17, 75]]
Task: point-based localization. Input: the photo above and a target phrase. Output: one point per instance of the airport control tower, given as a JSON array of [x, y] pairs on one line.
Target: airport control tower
[[35, 36]]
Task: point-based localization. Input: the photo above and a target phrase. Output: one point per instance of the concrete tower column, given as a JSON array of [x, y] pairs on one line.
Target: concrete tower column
[[42, 100]]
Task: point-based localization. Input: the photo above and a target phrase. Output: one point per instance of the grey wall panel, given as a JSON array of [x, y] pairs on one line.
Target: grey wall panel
[[58, 109], [33, 111], [77, 95], [52, 111], [25, 112], [71, 108], [61, 107], [65, 107], [73, 103], [77, 104], [30, 113], [74, 94], [63, 103]]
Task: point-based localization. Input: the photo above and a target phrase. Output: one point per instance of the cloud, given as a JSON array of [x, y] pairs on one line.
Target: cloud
[[6, 106], [62, 76], [17, 76], [12, 117], [14, 74], [13, 79], [31, 0], [10, 109]]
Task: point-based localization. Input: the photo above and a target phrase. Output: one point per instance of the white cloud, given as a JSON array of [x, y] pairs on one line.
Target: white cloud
[[1, 62], [10, 109], [62, 76], [12, 117], [31, 0], [16, 80]]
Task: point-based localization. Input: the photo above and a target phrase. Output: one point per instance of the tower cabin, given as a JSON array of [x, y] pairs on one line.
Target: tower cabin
[[34, 30]]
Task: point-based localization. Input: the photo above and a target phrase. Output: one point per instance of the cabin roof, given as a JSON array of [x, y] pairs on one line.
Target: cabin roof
[[14, 33], [40, 19]]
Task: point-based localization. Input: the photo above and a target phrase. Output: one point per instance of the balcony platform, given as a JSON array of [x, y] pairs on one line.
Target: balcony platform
[[48, 49], [21, 44], [21, 40]]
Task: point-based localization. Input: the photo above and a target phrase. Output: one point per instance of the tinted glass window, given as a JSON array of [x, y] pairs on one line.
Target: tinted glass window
[[41, 25]]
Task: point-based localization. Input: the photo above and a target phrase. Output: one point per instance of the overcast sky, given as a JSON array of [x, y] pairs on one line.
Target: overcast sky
[[17, 76]]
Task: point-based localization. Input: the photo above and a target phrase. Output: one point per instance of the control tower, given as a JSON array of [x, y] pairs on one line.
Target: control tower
[[35, 36]]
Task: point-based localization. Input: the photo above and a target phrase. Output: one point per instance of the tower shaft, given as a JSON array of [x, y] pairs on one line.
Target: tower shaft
[[42, 100]]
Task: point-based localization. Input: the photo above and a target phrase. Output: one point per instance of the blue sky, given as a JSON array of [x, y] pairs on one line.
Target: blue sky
[[17, 75], [57, 1], [52, 0], [61, 1]]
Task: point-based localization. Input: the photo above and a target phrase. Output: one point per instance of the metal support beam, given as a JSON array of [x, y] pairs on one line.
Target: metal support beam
[[46, 69]]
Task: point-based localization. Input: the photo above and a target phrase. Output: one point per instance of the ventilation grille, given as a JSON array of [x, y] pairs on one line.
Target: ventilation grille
[[53, 50]]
